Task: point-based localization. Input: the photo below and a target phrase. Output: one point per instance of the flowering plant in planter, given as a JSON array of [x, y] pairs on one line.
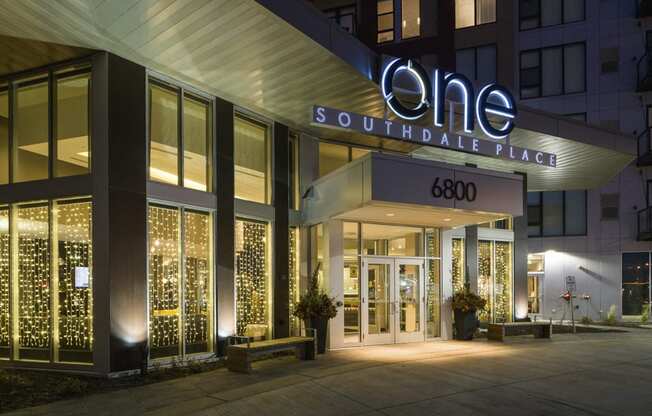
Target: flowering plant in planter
[[316, 308], [465, 305], [466, 301]]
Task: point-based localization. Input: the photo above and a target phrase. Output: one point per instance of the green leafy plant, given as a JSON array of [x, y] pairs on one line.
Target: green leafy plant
[[467, 301], [315, 303], [611, 315], [645, 313]]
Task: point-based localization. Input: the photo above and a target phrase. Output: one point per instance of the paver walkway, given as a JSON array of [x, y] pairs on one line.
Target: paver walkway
[[591, 374]]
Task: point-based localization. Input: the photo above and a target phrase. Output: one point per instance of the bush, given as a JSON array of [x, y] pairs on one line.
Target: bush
[[466, 301], [315, 303], [611, 315], [645, 313]]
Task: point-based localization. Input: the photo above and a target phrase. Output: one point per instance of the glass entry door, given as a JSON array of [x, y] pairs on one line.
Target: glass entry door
[[392, 300]]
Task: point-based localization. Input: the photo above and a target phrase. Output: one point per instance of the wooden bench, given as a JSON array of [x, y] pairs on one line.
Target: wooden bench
[[240, 356], [497, 332]]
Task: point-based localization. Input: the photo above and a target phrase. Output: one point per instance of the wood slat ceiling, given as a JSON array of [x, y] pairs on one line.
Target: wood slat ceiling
[[244, 53]]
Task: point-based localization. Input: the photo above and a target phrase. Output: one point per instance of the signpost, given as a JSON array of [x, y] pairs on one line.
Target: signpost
[[571, 286]]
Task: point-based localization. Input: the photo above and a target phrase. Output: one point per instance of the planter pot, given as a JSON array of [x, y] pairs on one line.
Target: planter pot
[[465, 324], [321, 326]]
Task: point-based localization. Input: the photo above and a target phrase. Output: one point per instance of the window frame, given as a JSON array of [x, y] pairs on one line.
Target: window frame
[[475, 16], [538, 16], [562, 47], [541, 233], [475, 58], [392, 30], [250, 117]]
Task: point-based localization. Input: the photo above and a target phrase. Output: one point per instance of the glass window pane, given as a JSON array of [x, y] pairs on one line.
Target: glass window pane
[[486, 10], [30, 141], [465, 62], [464, 13], [350, 230], [574, 68], [74, 253], [385, 21], [351, 300], [636, 282], [503, 282], [379, 299], [357, 153], [551, 13], [4, 282], [164, 282], [385, 6], [31, 266], [391, 240], [294, 278], [485, 278], [529, 14], [253, 290], [72, 134], [530, 74], [164, 135], [575, 213], [331, 157], [458, 268], [411, 18], [196, 154], [198, 282], [317, 251], [251, 161], [487, 64], [573, 10], [4, 136], [434, 298], [553, 210], [551, 74]]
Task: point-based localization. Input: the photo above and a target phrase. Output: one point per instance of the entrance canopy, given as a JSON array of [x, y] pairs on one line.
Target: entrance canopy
[[402, 190], [279, 58]]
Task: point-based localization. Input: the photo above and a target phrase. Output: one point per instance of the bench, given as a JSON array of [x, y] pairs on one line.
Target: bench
[[240, 356], [497, 332]]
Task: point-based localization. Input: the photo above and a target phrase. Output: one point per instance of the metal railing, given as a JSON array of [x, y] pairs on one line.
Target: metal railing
[[644, 219]]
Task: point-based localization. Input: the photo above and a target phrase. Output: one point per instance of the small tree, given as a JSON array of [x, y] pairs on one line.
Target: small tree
[[315, 303]]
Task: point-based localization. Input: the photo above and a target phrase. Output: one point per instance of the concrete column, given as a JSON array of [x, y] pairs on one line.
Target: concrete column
[[471, 257], [520, 259]]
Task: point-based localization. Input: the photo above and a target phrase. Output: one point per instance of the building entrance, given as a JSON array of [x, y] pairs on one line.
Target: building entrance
[[393, 299]]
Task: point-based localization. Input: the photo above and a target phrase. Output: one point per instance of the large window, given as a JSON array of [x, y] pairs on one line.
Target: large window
[[478, 64], [433, 283], [636, 282], [535, 276], [385, 19], [46, 290], [559, 213], [352, 312], [252, 166], [344, 17], [474, 12], [495, 276], [72, 124], [170, 108], [391, 240], [553, 71], [533, 14], [31, 130], [333, 156], [410, 18], [180, 281]]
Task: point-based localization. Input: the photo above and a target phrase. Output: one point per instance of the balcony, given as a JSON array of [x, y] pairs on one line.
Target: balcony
[[644, 73], [644, 148], [645, 224], [644, 8]]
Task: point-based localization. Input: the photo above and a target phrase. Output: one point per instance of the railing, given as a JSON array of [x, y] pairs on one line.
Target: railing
[[644, 8], [644, 72], [645, 224]]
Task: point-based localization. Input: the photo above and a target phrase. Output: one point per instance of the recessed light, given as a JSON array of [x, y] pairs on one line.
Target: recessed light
[[390, 214], [446, 219]]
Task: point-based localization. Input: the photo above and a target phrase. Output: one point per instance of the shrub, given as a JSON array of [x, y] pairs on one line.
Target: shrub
[[645, 313], [315, 303], [611, 315], [466, 301]]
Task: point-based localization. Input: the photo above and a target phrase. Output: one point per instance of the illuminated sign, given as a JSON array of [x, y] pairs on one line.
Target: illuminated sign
[[492, 99], [428, 136]]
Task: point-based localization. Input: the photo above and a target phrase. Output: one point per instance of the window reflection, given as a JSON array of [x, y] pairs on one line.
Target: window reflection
[[73, 147], [251, 161], [30, 140]]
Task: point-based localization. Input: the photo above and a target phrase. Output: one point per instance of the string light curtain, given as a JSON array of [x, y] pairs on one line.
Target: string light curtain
[[32, 270], [433, 283], [164, 282], [485, 278], [457, 274], [74, 281], [503, 282], [4, 282], [198, 282], [252, 280], [293, 279]]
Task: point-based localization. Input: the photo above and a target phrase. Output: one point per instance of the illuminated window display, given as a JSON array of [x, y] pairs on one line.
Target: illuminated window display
[[4, 282], [351, 282], [458, 275], [433, 284], [293, 279], [252, 279], [74, 252], [495, 274], [171, 286]]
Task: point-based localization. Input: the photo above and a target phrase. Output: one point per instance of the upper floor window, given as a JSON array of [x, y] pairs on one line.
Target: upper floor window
[[179, 120], [252, 160], [554, 214], [532, 14], [474, 12], [411, 19], [333, 156], [478, 64], [344, 16], [553, 71], [46, 107], [385, 18]]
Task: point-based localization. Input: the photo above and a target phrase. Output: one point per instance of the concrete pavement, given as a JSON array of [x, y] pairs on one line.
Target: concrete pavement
[[591, 374]]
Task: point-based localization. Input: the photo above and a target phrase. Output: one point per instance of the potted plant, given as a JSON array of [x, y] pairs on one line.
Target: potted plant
[[315, 308], [465, 306]]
